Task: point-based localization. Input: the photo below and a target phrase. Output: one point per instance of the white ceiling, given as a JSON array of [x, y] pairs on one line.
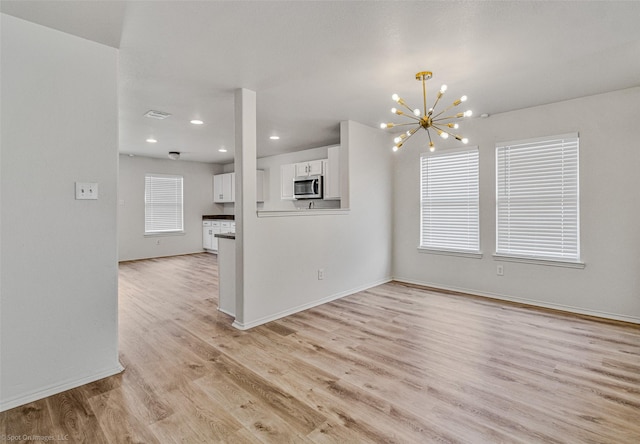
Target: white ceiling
[[314, 64]]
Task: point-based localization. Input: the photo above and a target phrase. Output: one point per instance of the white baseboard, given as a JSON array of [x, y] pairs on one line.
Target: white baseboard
[[57, 388], [533, 302], [299, 308]]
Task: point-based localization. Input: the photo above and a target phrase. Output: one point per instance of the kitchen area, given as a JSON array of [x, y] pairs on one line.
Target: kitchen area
[[302, 183]]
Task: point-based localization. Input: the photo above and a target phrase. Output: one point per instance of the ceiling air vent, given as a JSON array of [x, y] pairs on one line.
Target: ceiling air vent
[[156, 114]]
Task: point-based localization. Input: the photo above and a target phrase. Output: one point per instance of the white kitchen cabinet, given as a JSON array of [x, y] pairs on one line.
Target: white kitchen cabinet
[[287, 174], [207, 235], [224, 187], [332, 174], [209, 229], [311, 168]]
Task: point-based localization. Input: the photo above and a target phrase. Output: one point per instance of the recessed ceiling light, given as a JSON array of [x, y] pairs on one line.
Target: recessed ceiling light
[[197, 122], [223, 150], [151, 140], [274, 137]]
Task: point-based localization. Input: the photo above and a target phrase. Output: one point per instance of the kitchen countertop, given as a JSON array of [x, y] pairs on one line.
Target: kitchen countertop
[[219, 217], [226, 235]]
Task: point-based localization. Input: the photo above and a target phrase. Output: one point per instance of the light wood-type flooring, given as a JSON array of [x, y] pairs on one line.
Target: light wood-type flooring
[[395, 363]]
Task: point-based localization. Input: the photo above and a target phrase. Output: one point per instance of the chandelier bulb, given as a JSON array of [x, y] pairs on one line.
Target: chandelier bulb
[[443, 134], [468, 113], [463, 98], [395, 148], [383, 125], [416, 112], [432, 147], [397, 140], [395, 97], [443, 88], [456, 126], [465, 140]]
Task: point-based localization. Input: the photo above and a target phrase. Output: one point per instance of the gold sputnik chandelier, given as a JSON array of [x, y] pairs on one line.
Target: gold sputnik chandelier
[[426, 119]]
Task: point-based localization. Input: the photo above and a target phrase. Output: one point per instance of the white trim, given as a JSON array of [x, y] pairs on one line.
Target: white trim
[[310, 212], [534, 261], [299, 308], [469, 254], [164, 233], [532, 302], [58, 388]]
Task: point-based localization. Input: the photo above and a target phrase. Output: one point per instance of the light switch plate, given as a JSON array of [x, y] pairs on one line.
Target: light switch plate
[[86, 190]]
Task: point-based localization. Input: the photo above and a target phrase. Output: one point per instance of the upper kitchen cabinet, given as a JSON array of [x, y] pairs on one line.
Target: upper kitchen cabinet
[[311, 168], [224, 187]]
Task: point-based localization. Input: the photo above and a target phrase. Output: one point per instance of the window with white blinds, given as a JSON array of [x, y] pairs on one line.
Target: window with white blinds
[[537, 211], [449, 201], [162, 204]]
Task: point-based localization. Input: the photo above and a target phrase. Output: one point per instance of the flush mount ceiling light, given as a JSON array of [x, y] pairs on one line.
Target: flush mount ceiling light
[[154, 114], [151, 140], [274, 137], [174, 155], [197, 122], [222, 150], [426, 118]]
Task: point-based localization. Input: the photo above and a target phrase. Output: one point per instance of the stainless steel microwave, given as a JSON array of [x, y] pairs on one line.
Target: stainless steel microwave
[[307, 187]]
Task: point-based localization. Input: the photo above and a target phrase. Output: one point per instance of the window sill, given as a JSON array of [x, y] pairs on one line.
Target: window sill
[[165, 233], [466, 254], [534, 261]]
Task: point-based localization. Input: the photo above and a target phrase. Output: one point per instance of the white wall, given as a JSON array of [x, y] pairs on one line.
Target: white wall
[[58, 295], [283, 254], [198, 201], [609, 285]]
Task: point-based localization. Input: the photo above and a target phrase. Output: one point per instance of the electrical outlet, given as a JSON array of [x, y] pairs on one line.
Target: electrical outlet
[[86, 191], [500, 270], [320, 274]]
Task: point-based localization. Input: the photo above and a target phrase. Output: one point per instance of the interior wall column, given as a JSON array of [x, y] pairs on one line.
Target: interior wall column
[[245, 195]]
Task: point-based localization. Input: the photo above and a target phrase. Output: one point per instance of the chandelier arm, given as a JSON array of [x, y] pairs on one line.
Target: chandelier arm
[[444, 110], [445, 131], [411, 133], [411, 116], [436, 103], [406, 106], [430, 141], [445, 118], [404, 124]]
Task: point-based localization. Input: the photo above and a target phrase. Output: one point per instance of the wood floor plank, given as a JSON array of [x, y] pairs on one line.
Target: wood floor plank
[[395, 363]]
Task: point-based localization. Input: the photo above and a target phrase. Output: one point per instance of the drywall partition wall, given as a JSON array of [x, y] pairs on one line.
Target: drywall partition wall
[[609, 182], [58, 314], [353, 247], [197, 201]]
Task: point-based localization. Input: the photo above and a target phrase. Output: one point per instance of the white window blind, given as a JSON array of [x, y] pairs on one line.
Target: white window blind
[[537, 199], [450, 201], [162, 203]]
